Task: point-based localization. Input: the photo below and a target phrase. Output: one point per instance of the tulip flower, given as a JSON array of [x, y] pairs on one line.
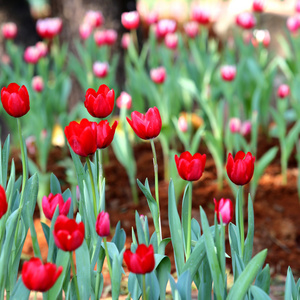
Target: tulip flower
[[240, 168], [15, 100], [99, 37], [49, 27], [245, 20], [228, 72], [171, 41], [224, 207], [283, 91], [9, 30], [183, 124], [124, 100], [100, 69], [261, 36], [158, 75], [191, 29], [293, 24], [50, 203], [246, 128], [94, 18], [105, 133], [40, 277], [165, 26], [42, 48], [190, 167], [31, 55], [3, 202], [200, 15], [100, 104], [146, 126], [103, 224], [82, 137], [258, 5], [151, 17], [142, 261], [235, 125], [37, 84], [85, 30], [130, 20], [297, 6], [110, 36], [68, 234], [126, 40]]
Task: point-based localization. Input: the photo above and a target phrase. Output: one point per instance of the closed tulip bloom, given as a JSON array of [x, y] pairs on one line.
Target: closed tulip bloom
[[224, 208], [110, 36], [201, 15], [100, 69], [37, 276], [293, 24], [283, 91], [99, 37], [297, 6], [190, 167], [42, 48], [183, 124], [105, 133], [240, 168], [9, 30], [68, 234], [130, 20], [3, 202], [151, 17], [228, 72], [50, 203], [32, 55], [165, 26], [49, 27], [15, 100], [126, 40], [82, 137], [246, 128], [235, 125], [124, 100], [258, 5], [245, 20], [94, 18], [158, 75], [37, 84], [191, 29], [146, 126], [103, 224], [100, 104], [142, 261], [261, 37], [85, 30], [171, 41]]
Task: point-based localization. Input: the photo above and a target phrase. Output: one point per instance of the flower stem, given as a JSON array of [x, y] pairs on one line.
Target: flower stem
[[133, 34], [144, 287], [74, 276], [107, 258], [93, 186], [240, 200], [100, 174], [158, 230], [189, 224]]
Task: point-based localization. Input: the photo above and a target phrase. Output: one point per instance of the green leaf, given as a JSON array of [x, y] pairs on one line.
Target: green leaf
[[20, 291], [140, 230], [175, 229], [54, 185], [119, 237], [162, 270], [263, 279], [116, 277], [290, 286], [242, 284], [184, 213], [46, 230], [249, 240], [52, 247], [258, 293], [4, 156]]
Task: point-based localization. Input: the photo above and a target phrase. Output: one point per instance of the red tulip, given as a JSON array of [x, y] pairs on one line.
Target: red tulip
[[103, 224], [130, 20], [39, 277], [146, 126], [3, 202], [228, 72], [111, 36], [283, 91], [201, 15], [68, 234], [100, 104], [50, 203], [142, 261], [9, 30], [240, 168], [94, 18], [258, 5], [82, 137], [190, 167], [105, 133], [49, 27], [165, 26], [293, 23], [246, 20], [158, 75], [15, 100], [224, 208]]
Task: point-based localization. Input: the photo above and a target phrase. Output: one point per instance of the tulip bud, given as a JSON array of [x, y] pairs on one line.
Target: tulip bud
[[37, 84], [100, 69], [246, 128], [158, 75], [245, 20], [126, 40], [171, 41], [85, 30], [124, 100], [191, 29], [228, 72], [42, 48], [235, 125], [3, 202], [110, 36], [182, 124], [151, 17], [283, 91], [224, 208], [94, 18], [103, 224], [9, 30], [31, 55], [293, 24], [201, 15], [258, 5], [30, 144], [49, 27], [165, 26], [130, 20], [99, 37]]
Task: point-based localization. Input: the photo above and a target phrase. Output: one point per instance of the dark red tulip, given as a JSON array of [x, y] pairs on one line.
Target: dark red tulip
[[100, 104], [142, 261], [146, 126], [15, 100], [103, 224], [49, 205], [3, 202], [39, 277], [82, 137], [105, 133], [68, 234], [240, 168], [190, 167], [224, 207]]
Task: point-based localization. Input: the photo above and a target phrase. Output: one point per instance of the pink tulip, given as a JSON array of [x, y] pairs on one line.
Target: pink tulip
[[9, 30], [224, 208], [228, 72], [191, 29], [100, 69], [158, 75], [235, 125]]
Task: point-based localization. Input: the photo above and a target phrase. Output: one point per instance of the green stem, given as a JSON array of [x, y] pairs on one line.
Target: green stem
[[99, 269], [35, 295], [158, 230], [93, 186], [100, 174], [144, 287], [241, 217], [107, 258], [134, 38], [189, 224], [74, 276]]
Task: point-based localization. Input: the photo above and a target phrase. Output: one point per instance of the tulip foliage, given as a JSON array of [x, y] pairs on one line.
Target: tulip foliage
[[180, 87]]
